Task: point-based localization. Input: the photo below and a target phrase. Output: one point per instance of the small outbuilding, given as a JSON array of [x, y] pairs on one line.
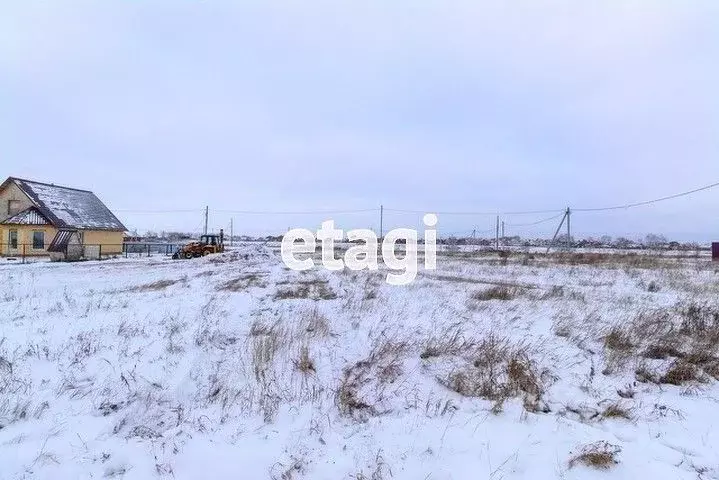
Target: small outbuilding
[[66, 246]]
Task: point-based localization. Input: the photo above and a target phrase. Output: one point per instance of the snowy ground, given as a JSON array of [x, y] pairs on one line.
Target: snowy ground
[[576, 366]]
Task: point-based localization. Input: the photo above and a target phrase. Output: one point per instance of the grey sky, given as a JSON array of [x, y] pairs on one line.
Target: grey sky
[[427, 105]]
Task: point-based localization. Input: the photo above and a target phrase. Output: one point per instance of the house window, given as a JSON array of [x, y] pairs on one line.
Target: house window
[[12, 239], [13, 207], [38, 240]]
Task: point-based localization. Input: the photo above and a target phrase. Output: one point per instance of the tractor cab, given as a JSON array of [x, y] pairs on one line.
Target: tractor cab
[[210, 239]]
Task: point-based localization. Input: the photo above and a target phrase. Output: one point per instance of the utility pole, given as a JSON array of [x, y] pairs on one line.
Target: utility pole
[[564, 217], [496, 238], [231, 230], [381, 222], [502, 228], [207, 214], [569, 229]]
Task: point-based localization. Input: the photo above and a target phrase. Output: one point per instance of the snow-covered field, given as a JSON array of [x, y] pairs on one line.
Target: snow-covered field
[[232, 367]]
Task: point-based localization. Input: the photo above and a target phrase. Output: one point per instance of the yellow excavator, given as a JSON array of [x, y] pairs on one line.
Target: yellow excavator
[[208, 244]]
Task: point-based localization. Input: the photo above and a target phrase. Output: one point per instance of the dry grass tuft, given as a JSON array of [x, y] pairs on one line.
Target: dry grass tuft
[[661, 351], [679, 373], [499, 292], [500, 370], [616, 410], [618, 340], [451, 343], [600, 455], [383, 366], [701, 322], [307, 289], [157, 286], [243, 283], [315, 323], [304, 363]]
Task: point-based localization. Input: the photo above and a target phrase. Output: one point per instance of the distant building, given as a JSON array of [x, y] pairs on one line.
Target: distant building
[[32, 213]]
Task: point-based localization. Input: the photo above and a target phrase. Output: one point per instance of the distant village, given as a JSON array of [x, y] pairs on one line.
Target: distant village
[[651, 241]]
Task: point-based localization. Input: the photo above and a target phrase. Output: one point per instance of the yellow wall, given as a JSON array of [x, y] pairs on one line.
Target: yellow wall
[[24, 236], [111, 241], [12, 192]]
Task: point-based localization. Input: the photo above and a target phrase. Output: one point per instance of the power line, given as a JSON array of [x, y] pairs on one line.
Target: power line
[[647, 202], [296, 212], [538, 222], [422, 212], [159, 211], [558, 212]]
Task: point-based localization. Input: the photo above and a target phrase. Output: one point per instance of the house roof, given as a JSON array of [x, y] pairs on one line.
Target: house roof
[[66, 207], [29, 216]]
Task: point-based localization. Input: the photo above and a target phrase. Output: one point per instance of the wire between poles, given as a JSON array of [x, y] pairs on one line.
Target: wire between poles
[[647, 202]]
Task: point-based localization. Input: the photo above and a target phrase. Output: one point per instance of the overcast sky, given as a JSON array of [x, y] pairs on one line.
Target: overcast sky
[[421, 105]]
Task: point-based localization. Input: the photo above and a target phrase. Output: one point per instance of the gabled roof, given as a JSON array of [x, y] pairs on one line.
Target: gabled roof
[[67, 207], [29, 216]]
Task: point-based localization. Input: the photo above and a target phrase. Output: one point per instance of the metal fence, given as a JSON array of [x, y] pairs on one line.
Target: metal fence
[[25, 251]]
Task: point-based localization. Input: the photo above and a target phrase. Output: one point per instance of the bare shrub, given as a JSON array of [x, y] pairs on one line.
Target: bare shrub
[[653, 287], [601, 455]]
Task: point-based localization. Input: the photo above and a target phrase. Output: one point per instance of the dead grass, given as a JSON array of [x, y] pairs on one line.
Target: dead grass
[[599, 455], [304, 363], [687, 333], [452, 342], [306, 289], [361, 391], [499, 292], [315, 323], [157, 286], [618, 340], [500, 370], [679, 373], [610, 260], [243, 283], [616, 410]]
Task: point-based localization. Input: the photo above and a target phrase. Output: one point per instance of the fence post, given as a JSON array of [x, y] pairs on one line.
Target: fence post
[[148, 249], [99, 252], [23, 253]]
